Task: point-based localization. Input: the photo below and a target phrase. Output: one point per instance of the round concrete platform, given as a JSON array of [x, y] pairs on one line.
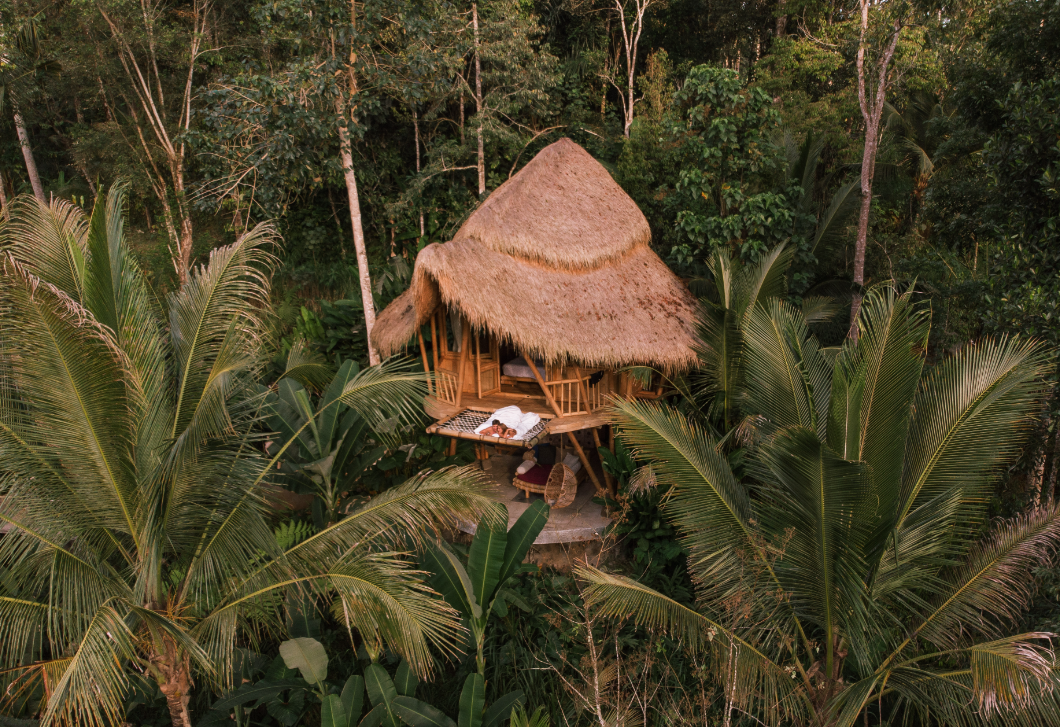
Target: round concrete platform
[[580, 521]]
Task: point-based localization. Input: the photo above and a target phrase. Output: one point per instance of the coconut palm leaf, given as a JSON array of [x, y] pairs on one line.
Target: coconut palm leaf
[[91, 688], [69, 369], [986, 390], [305, 366], [750, 678], [708, 504], [826, 506], [992, 581], [50, 241], [211, 317], [787, 380], [890, 352], [837, 215]]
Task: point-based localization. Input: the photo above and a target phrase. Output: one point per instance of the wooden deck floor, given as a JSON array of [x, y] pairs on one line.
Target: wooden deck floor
[[439, 410]]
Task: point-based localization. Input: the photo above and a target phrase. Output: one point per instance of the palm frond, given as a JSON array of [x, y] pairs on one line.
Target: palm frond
[[988, 391], [50, 241], [69, 377], [218, 312], [90, 688], [750, 678], [712, 510], [380, 597], [306, 366], [991, 590], [890, 352], [825, 507], [837, 216], [786, 378], [766, 279], [819, 309]]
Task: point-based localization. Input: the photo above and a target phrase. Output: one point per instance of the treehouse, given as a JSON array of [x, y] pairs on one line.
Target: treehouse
[[544, 300]]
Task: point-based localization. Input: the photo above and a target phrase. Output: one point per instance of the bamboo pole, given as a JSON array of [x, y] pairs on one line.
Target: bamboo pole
[[559, 413], [464, 346], [426, 365], [434, 341], [541, 382], [607, 476], [584, 390], [478, 366]]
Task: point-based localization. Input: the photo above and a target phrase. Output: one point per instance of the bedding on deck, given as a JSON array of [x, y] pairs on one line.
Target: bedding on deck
[[513, 417], [519, 368]]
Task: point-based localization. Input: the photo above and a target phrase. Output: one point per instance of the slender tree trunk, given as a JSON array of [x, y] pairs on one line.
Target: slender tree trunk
[[27, 154], [462, 140], [174, 681], [346, 152], [184, 241], [478, 107], [3, 198], [871, 113], [782, 19], [416, 130]]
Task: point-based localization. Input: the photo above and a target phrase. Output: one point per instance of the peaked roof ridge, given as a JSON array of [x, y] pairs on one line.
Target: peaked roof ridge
[[562, 210]]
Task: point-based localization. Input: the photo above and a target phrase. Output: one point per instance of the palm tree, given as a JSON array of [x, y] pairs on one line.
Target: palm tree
[[843, 576], [133, 476], [731, 294]]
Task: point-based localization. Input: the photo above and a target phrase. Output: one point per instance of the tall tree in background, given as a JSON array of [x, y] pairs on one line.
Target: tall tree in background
[[23, 64], [346, 105], [630, 15], [876, 47], [159, 50]]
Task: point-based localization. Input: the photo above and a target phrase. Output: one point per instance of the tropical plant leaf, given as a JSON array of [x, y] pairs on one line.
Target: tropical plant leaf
[[486, 557], [332, 712], [308, 657], [502, 707], [472, 701], [415, 713], [405, 681]]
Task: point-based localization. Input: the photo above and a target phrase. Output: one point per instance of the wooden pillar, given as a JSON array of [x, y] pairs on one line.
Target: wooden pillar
[[434, 341], [585, 392], [541, 382], [570, 435], [464, 346], [478, 367], [426, 365], [607, 477]]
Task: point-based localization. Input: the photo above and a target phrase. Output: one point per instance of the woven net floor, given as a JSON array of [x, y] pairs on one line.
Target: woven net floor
[[467, 421]]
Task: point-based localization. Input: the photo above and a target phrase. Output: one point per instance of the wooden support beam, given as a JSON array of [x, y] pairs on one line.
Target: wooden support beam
[[541, 382], [426, 365], [559, 413], [434, 341], [585, 463], [464, 346], [584, 389], [478, 367], [607, 476]]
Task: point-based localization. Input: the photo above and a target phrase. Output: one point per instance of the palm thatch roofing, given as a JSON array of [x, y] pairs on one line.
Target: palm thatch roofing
[[558, 261]]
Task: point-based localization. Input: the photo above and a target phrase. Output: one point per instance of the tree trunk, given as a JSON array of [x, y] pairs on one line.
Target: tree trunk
[[173, 674], [782, 19], [478, 107], [3, 198], [184, 241], [872, 114], [27, 154], [346, 152], [416, 129]]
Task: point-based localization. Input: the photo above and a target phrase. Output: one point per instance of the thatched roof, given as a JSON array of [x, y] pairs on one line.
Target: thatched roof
[[557, 261]]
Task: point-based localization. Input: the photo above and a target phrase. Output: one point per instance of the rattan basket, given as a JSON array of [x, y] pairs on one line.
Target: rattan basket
[[562, 486]]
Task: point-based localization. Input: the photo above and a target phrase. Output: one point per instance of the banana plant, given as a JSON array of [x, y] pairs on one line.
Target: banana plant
[[330, 451], [496, 555], [302, 656], [473, 710]]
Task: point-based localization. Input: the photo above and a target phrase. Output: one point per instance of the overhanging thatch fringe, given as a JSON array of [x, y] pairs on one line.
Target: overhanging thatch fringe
[[598, 297]]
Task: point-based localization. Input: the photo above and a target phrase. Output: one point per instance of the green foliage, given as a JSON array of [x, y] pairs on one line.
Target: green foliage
[[854, 530], [727, 164], [133, 472], [476, 589]]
